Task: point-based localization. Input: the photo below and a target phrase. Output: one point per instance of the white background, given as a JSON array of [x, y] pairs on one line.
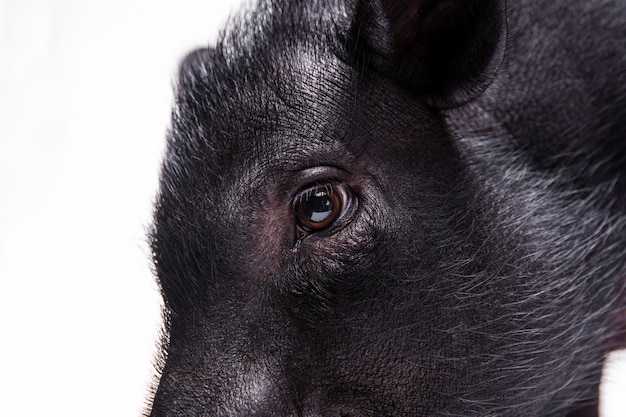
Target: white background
[[85, 93]]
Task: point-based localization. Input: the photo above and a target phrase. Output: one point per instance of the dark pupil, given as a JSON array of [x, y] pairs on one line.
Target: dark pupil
[[318, 207]]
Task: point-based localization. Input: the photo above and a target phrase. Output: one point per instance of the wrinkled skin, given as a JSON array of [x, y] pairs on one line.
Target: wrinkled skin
[[473, 156]]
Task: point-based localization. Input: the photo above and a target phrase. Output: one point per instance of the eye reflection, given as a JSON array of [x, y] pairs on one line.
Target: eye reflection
[[316, 209]]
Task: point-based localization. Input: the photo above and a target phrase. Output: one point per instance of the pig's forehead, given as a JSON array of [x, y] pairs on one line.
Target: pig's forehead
[[285, 95], [302, 99], [296, 50], [273, 87]]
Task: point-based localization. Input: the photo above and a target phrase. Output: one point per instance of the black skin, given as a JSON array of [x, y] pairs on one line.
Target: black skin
[[472, 157]]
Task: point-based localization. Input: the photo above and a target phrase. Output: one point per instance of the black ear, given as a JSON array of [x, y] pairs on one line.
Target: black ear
[[446, 50]]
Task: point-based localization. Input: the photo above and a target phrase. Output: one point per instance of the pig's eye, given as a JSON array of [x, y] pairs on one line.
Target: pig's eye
[[318, 207]]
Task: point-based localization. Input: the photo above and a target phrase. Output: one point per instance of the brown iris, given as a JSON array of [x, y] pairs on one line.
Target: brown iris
[[317, 208]]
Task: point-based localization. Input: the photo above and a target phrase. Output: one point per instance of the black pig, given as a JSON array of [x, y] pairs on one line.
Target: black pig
[[396, 208]]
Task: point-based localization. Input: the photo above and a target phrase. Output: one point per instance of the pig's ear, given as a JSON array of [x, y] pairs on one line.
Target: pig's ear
[[448, 51]]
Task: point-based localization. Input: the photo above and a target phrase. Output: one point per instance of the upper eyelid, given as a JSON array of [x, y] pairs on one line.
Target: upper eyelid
[[306, 191]]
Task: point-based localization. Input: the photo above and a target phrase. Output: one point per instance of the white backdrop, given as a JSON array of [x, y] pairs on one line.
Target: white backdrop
[[85, 93]]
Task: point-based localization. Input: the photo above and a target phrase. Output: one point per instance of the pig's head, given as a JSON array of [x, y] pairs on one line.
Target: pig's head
[[393, 208]]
